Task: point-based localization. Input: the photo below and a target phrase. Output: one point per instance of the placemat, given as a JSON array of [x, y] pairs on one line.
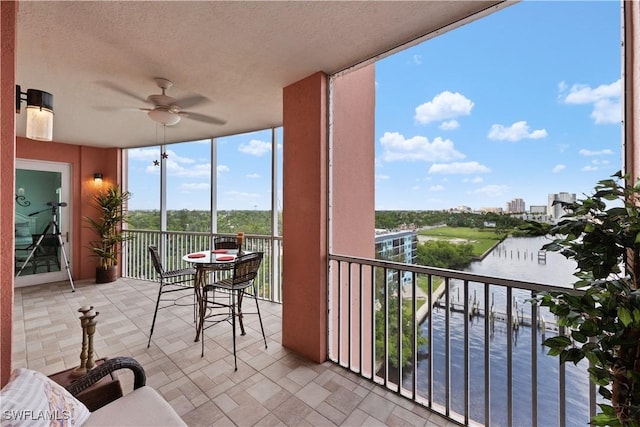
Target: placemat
[[196, 255]]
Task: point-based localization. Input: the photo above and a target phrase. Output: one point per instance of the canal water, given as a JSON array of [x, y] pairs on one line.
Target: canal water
[[514, 258]]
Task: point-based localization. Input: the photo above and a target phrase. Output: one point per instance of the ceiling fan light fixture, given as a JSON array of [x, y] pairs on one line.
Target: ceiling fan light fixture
[[164, 117]]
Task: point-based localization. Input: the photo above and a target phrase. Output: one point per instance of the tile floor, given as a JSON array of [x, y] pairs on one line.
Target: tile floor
[[272, 386]]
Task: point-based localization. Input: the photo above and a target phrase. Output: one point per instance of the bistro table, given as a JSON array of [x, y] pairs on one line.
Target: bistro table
[[208, 261]]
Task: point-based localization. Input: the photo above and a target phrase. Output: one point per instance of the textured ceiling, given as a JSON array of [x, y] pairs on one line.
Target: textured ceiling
[[237, 54]]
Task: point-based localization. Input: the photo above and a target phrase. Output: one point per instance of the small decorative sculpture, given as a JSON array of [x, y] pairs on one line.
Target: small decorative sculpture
[[88, 323]]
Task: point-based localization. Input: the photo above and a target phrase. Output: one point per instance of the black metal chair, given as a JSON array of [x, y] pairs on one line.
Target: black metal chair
[[232, 289], [225, 242], [170, 282], [46, 252]]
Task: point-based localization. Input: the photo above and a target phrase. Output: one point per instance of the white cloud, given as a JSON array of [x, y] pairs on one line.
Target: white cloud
[[458, 168], [240, 195], [436, 188], [194, 186], [515, 132], [174, 168], [449, 125], [253, 176], [415, 187], [588, 153], [589, 168], [444, 106], [397, 147], [381, 177], [604, 98], [558, 168], [605, 112], [222, 169], [150, 154], [493, 190], [255, 147], [144, 154], [476, 180], [583, 94], [417, 59], [174, 157]]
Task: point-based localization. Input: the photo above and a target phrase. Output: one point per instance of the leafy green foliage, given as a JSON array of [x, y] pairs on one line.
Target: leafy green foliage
[[604, 320], [393, 333], [439, 253], [248, 221], [419, 219], [108, 225]]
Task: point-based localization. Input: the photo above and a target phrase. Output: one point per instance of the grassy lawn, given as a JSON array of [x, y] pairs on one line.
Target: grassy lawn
[[482, 240]]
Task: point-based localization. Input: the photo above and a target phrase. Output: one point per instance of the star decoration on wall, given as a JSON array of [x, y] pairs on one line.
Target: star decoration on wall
[[156, 163], [165, 155]]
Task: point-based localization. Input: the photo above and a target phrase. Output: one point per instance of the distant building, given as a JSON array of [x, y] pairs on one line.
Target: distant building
[[398, 246], [492, 210], [538, 209], [462, 208], [555, 210], [516, 206]]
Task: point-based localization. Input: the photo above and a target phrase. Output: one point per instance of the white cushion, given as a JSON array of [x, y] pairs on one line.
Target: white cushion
[[22, 229], [32, 399], [142, 407]]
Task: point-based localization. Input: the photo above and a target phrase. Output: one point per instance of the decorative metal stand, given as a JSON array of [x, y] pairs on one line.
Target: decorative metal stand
[[88, 322]]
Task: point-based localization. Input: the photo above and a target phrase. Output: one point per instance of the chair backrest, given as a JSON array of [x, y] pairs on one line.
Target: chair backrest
[[225, 242], [48, 245], [245, 268], [155, 258]]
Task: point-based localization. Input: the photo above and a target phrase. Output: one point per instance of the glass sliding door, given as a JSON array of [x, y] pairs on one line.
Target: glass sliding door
[[42, 222]]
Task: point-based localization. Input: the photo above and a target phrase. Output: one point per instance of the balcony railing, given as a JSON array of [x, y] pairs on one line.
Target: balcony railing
[[471, 346], [173, 245]]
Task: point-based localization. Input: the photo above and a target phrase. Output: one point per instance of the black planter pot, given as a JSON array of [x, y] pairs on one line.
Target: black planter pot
[[110, 274]]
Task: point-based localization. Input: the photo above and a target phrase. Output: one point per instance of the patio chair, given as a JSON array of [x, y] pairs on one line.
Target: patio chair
[[225, 242], [171, 282], [46, 253], [232, 289]]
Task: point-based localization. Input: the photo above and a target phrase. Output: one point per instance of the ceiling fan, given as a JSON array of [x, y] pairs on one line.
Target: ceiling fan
[[167, 110]]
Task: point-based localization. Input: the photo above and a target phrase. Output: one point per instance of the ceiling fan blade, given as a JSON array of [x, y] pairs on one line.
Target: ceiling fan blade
[[191, 101], [202, 118], [117, 88], [111, 109]]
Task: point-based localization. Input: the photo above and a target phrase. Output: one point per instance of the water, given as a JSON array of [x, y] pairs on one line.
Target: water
[[515, 258]]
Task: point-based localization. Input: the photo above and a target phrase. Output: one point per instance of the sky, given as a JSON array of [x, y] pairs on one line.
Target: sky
[[519, 104]]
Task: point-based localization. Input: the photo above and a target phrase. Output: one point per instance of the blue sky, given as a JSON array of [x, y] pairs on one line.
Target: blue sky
[[520, 104], [523, 103]]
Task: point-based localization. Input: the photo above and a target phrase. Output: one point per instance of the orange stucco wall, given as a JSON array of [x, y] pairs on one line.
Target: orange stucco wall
[[304, 217], [84, 161], [352, 212], [8, 14], [307, 209], [353, 163]]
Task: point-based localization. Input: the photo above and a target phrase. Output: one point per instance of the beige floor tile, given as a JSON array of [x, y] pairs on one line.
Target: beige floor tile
[[272, 386]]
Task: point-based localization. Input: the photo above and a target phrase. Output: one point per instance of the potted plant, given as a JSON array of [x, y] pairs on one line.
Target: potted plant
[[602, 234], [108, 227]]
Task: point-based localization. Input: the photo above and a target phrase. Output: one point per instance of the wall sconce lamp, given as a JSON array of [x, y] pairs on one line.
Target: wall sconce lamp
[[97, 179], [39, 113]]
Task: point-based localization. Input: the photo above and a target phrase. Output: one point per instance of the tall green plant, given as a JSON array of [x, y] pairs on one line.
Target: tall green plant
[[110, 204], [602, 234]]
